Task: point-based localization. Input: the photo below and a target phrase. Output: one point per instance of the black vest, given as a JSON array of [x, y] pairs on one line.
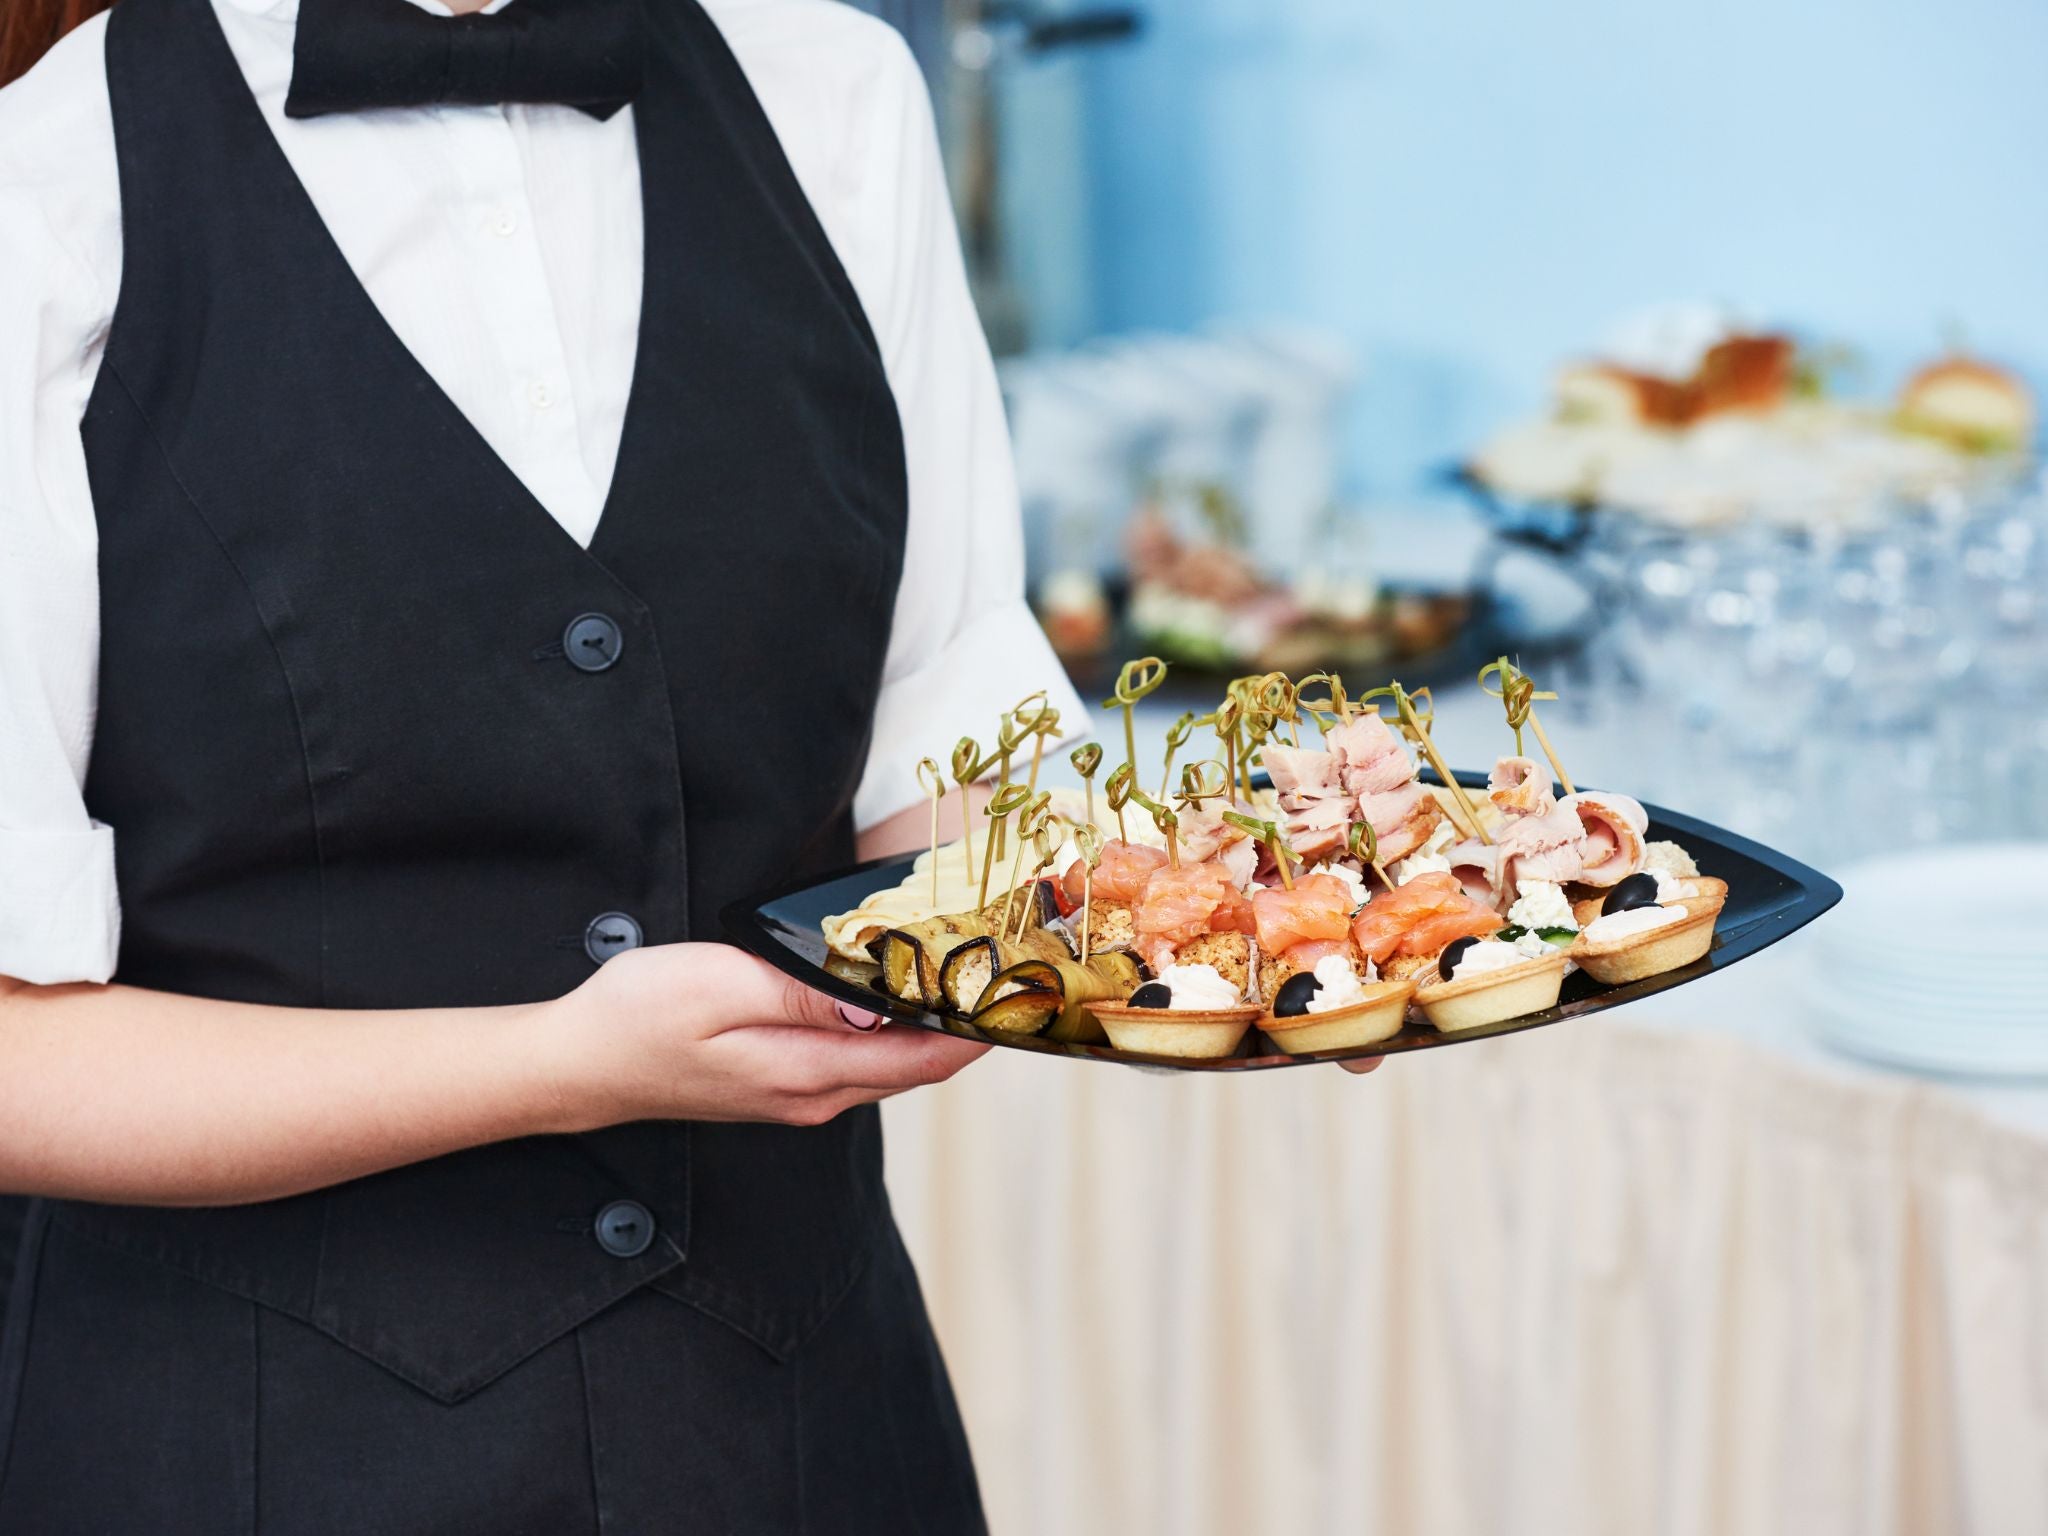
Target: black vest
[[357, 754]]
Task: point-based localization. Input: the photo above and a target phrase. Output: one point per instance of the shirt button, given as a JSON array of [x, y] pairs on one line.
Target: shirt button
[[610, 933], [592, 642], [625, 1229], [541, 396], [504, 226]]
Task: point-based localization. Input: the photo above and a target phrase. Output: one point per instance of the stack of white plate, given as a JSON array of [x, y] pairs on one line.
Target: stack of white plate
[[1938, 960]]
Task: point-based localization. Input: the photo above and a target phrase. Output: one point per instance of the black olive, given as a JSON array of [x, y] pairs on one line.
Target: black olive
[[1291, 1001], [1635, 891], [1454, 951], [1154, 994]]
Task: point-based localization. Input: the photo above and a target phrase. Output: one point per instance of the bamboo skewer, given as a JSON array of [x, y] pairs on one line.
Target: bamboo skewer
[[1268, 833], [1034, 723], [1336, 705], [1089, 841], [1362, 833], [1046, 838], [1224, 721], [1413, 726], [1280, 701], [1556, 767], [1086, 759], [1117, 790], [968, 765], [1255, 721], [1000, 805], [1167, 820], [1010, 736], [1177, 736], [932, 780], [1137, 679], [1028, 822], [1518, 695], [1199, 784]]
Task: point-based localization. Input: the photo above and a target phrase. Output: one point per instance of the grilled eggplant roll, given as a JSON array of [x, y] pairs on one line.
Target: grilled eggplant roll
[[1024, 1008], [1051, 997], [910, 957], [913, 959], [1001, 916], [968, 968], [966, 972]]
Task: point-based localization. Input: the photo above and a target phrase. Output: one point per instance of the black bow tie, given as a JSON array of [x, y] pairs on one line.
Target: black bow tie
[[354, 55]]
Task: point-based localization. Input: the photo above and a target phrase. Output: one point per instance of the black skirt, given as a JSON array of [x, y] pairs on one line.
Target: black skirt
[[136, 1399]]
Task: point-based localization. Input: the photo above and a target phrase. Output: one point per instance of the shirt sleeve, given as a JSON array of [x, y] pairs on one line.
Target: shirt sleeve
[[965, 646], [59, 911]]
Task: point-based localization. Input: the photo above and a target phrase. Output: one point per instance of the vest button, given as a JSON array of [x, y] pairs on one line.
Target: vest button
[[592, 642], [610, 933], [625, 1229]]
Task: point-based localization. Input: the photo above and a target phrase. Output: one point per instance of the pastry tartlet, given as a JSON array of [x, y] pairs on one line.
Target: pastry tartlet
[[1377, 1016], [1488, 997], [1690, 888], [1191, 1033], [1652, 951]]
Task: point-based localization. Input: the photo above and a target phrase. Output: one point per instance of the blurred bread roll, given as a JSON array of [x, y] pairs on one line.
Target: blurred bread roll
[[1973, 405]]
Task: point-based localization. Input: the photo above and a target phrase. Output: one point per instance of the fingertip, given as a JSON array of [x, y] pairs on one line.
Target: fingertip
[[950, 1055], [1362, 1065]]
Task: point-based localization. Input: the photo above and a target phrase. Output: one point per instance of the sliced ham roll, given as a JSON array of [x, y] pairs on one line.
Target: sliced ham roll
[[1297, 769], [1381, 776], [1363, 741], [1241, 858], [1477, 867], [1317, 822], [1557, 827], [1370, 757], [1204, 834], [1557, 865], [1397, 842], [1539, 846], [1391, 808], [1520, 787], [1611, 841]]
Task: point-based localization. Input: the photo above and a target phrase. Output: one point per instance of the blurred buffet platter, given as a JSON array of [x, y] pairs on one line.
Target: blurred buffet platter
[[1181, 498], [1724, 427]]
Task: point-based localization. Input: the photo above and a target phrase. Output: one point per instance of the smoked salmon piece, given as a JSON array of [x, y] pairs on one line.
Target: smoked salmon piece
[[1121, 875], [1397, 922], [1433, 933], [1183, 904], [1306, 956], [1319, 907]]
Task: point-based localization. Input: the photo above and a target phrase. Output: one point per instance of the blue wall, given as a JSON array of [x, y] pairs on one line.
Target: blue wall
[[1471, 190]]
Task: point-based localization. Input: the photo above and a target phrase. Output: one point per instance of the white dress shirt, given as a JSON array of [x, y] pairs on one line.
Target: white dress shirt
[[504, 247]]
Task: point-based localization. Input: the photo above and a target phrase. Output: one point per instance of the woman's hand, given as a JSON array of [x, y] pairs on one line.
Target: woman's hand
[[707, 1032], [1362, 1064]]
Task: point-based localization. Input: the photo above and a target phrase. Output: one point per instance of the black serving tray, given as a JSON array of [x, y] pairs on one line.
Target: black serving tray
[[1769, 896]]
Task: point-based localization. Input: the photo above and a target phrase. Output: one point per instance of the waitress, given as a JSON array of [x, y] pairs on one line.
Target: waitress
[[419, 614]]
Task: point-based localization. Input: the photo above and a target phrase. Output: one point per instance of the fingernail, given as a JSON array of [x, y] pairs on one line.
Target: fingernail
[[859, 1018]]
